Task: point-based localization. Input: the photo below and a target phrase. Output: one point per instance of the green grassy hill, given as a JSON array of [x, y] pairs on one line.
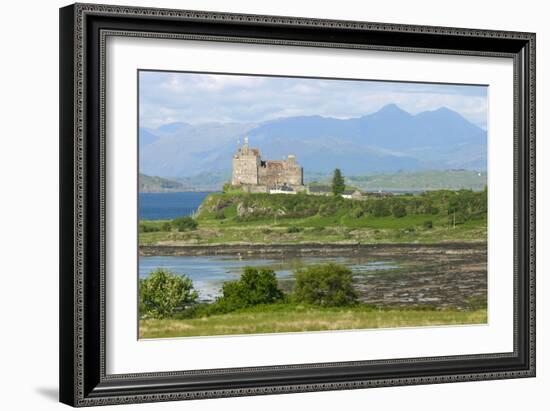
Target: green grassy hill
[[278, 218]]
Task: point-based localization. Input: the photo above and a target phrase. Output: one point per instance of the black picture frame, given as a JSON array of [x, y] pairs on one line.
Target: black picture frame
[[83, 29]]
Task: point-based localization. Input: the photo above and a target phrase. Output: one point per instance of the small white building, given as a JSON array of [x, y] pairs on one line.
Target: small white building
[[282, 190], [352, 194]]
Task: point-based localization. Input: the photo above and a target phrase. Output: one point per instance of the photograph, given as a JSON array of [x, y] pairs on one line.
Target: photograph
[[280, 204], [286, 200]]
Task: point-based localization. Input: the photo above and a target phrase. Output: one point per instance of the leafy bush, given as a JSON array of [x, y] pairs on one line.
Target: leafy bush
[[147, 228], [358, 212], [166, 226], [428, 224], [325, 284], [163, 293], [256, 286], [398, 210], [380, 208], [184, 223], [293, 229], [432, 210]]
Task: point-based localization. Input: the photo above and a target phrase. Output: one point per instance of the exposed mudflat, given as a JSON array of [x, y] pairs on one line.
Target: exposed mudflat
[[444, 275], [430, 276]]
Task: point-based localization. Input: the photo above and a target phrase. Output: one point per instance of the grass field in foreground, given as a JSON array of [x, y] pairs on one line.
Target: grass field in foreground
[[282, 319]]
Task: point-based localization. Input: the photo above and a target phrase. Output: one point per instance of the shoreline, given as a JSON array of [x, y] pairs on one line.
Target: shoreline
[[307, 249]]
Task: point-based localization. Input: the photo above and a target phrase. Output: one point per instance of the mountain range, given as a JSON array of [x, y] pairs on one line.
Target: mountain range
[[387, 141]]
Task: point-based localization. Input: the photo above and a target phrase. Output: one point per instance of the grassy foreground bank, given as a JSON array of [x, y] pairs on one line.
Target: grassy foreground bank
[[280, 318]]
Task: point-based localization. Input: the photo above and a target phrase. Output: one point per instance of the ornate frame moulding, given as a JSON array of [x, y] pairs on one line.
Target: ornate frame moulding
[[84, 29]]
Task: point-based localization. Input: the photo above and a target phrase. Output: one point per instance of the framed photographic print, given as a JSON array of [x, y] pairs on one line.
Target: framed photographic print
[[261, 204]]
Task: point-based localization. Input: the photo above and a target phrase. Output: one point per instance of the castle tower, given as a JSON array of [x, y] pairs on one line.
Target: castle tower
[[246, 162]]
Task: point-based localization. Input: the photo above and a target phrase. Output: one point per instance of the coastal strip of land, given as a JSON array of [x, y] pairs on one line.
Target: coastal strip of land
[[312, 249]]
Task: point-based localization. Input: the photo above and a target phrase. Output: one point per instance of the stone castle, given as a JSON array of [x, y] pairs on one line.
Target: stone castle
[[253, 174]]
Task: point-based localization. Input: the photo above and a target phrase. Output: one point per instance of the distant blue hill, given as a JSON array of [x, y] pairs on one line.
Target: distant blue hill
[[386, 141]]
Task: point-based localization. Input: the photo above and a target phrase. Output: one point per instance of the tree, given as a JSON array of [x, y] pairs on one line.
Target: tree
[[256, 286], [338, 184], [163, 293], [184, 223], [325, 284]]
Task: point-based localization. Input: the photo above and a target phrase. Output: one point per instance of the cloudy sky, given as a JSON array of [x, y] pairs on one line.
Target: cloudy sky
[[167, 97]]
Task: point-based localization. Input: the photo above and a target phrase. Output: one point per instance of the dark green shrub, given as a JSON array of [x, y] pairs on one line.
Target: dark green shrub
[[147, 228], [163, 293], [358, 213], [166, 226], [380, 208], [399, 210], [428, 224], [256, 286], [325, 284], [293, 229], [184, 223], [432, 210]]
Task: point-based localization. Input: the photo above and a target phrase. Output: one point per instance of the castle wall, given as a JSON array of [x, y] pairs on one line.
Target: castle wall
[[278, 173], [249, 170]]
